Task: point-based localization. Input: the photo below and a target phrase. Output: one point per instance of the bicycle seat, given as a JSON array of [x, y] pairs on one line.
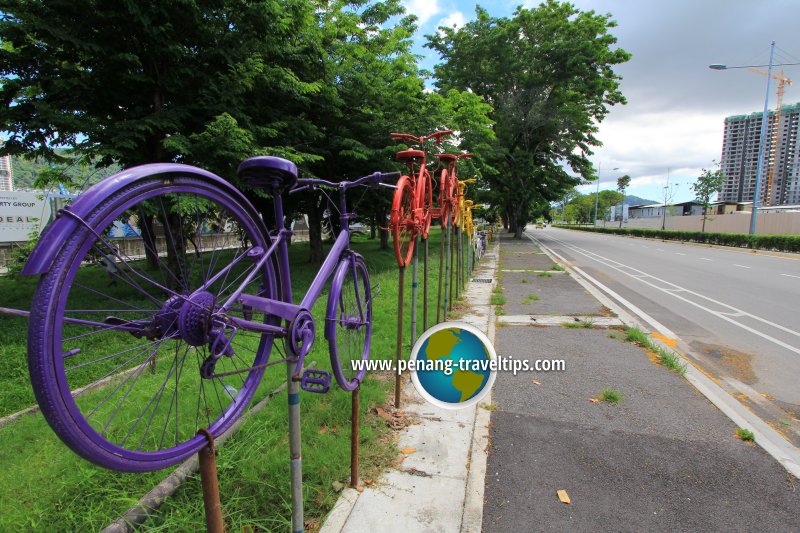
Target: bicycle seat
[[447, 157], [410, 154], [266, 172]]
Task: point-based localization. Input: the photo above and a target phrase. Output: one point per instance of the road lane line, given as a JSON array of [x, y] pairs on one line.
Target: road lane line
[[705, 259], [607, 262], [678, 253], [741, 266], [770, 440], [790, 276]]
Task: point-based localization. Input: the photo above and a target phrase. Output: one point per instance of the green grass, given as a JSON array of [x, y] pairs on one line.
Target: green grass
[[637, 336], [497, 296], [558, 268], [529, 299], [611, 396], [664, 357], [670, 360], [545, 275], [47, 487], [745, 434], [524, 280]]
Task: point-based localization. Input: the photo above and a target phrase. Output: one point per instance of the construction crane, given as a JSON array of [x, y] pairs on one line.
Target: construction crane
[[783, 81]]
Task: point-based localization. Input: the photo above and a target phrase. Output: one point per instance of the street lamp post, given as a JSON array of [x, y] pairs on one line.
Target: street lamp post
[[761, 147], [597, 193]]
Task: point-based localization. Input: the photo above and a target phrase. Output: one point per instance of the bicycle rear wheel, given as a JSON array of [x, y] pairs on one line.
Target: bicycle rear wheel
[[402, 223], [348, 323], [119, 353]]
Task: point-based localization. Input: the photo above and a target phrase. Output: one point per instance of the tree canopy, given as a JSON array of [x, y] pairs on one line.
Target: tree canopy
[[548, 73]]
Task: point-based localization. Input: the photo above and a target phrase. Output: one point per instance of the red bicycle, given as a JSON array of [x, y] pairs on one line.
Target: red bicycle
[[448, 188], [412, 207]]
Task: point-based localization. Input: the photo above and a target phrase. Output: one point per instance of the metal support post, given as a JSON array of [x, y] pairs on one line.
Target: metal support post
[[414, 291], [354, 438], [295, 449], [399, 353], [210, 485]]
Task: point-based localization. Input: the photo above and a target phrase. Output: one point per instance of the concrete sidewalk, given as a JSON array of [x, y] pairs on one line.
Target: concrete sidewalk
[[663, 459], [439, 487]]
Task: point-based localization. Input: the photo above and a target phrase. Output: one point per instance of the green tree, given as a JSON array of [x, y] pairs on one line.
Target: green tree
[[548, 74], [622, 184], [708, 184]]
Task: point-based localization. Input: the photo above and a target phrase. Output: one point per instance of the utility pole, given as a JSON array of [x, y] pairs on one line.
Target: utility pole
[[664, 209]]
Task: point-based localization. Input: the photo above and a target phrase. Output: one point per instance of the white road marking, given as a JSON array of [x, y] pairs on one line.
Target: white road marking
[[741, 266], [775, 444], [678, 253], [705, 259], [790, 276], [659, 249], [643, 277]]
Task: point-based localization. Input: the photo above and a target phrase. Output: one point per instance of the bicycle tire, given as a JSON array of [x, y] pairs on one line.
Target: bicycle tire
[[349, 320], [424, 195], [55, 371], [402, 223]]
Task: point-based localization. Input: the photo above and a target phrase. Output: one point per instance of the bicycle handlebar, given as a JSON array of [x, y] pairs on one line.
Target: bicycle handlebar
[[437, 135], [405, 137], [375, 179]]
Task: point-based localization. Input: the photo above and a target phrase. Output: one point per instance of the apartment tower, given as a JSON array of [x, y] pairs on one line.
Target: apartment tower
[[739, 160]]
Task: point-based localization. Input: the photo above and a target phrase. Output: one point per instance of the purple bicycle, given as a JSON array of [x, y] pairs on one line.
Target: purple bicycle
[[135, 344]]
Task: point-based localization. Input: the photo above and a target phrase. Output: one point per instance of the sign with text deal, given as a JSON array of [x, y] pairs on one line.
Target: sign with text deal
[[21, 213]]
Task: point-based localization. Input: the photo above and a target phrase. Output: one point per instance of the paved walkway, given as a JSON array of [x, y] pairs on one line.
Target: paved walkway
[[662, 459], [439, 487]]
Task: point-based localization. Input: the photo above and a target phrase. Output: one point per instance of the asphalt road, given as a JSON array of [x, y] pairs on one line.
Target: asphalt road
[[736, 312]]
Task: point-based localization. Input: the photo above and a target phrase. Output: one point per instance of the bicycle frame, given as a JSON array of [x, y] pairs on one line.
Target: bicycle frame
[[286, 308]]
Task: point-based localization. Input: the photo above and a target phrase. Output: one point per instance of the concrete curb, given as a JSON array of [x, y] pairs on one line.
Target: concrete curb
[[768, 438]]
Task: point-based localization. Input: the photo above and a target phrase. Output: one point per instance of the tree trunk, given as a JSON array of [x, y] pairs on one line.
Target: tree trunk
[[149, 238], [176, 251], [316, 255], [384, 233], [373, 225], [287, 224]]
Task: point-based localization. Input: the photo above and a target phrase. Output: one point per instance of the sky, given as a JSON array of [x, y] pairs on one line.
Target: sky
[[673, 123]]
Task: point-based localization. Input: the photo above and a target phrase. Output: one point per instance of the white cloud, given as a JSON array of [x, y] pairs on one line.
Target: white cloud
[[423, 9], [456, 19]]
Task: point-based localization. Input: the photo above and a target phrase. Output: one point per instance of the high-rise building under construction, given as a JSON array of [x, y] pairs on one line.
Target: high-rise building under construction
[[739, 160]]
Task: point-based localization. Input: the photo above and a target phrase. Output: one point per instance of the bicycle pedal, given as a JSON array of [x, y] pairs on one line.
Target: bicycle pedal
[[317, 381]]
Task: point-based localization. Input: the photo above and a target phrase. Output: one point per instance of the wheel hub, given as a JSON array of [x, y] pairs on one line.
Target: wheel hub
[[194, 319]]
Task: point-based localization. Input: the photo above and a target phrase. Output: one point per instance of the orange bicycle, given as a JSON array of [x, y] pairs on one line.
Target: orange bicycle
[[412, 206]]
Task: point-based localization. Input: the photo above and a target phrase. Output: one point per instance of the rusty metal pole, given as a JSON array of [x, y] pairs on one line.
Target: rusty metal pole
[[425, 288], [414, 291], [354, 438], [209, 482], [451, 244], [441, 277], [399, 352]]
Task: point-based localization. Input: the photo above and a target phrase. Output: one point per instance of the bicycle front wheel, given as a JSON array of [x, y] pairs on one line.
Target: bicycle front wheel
[[348, 322], [402, 221], [122, 329]]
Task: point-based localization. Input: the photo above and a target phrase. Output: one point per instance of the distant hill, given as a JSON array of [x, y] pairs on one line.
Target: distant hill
[[635, 200], [25, 172]]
